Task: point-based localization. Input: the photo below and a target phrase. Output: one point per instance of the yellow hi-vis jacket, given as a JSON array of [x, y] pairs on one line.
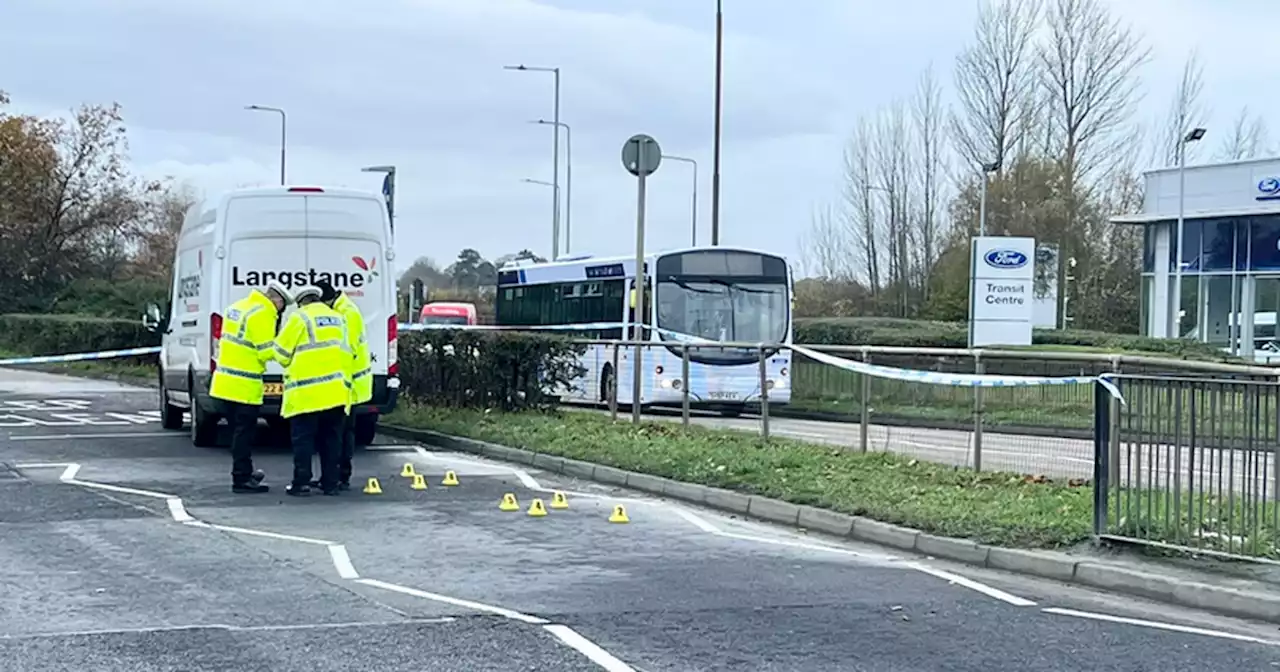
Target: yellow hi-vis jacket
[[248, 327], [312, 347], [361, 371]]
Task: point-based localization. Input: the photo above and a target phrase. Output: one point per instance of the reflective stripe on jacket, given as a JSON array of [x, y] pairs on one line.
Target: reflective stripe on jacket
[[312, 347], [248, 327], [361, 371]]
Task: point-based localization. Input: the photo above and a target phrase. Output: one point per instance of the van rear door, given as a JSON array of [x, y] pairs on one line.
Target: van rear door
[[347, 239]]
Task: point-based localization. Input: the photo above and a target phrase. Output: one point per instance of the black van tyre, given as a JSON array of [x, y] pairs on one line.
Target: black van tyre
[[204, 426], [170, 415], [366, 428]]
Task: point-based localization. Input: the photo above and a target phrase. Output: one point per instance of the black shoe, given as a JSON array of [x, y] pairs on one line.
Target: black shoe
[[344, 485], [297, 490], [315, 484], [331, 492], [249, 487], [257, 476]]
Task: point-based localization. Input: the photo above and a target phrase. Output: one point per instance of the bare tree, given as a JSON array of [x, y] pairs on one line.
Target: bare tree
[[927, 118], [829, 252], [995, 82], [1090, 61], [1185, 112], [896, 167], [859, 212], [1246, 139]]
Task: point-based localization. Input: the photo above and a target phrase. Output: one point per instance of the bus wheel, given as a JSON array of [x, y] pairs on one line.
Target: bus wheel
[[607, 388], [732, 412]]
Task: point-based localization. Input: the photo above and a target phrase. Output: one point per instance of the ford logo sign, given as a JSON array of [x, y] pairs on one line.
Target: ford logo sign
[[1006, 259], [1269, 188]]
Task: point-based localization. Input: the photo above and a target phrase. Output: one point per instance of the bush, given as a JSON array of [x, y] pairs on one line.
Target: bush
[[66, 334], [479, 369], [121, 299], [925, 334]]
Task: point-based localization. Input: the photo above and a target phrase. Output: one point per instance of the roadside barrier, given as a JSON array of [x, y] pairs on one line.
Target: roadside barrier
[[80, 356]]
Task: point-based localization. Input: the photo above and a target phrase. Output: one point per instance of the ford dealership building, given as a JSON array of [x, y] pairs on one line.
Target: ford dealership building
[[1224, 287]]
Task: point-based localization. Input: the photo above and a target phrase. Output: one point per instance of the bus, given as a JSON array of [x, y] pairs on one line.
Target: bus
[[445, 312], [698, 294]]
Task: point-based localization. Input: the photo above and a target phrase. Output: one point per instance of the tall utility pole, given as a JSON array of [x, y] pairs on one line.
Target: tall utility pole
[[568, 179], [694, 224], [388, 190], [555, 156], [1194, 135], [715, 170], [283, 138]]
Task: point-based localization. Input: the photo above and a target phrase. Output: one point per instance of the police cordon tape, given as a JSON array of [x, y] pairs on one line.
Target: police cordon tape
[[863, 368]]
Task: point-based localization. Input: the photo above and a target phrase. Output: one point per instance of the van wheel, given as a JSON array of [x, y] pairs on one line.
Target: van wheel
[[170, 415], [366, 428], [204, 426]]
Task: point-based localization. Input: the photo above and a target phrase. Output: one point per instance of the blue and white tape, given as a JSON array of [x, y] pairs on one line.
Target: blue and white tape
[[80, 356], [874, 370]]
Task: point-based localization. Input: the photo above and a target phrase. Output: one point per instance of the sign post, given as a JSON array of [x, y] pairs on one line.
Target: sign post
[[641, 156], [1002, 273]]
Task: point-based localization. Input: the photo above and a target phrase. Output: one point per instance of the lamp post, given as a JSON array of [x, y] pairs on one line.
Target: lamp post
[[264, 108], [555, 188], [555, 156], [568, 179], [388, 190], [987, 169], [694, 217], [715, 171], [1194, 135]]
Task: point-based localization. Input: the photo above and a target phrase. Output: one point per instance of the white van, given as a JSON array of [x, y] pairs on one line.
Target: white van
[[247, 238]]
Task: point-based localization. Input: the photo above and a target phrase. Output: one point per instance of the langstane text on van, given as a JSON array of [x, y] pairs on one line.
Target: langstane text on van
[[292, 279]]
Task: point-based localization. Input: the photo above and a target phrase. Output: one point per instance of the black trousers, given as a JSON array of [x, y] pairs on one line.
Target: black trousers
[[318, 433], [244, 424], [348, 449]]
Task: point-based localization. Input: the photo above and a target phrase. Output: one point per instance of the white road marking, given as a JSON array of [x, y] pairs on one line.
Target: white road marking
[[117, 488], [69, 474], [342, 561], [696, 521], [588, 648], [178, 511], [466, 604], [271, 535], [1186, 629], [224, 627], [103, 435], [972, 585], [41, 465]]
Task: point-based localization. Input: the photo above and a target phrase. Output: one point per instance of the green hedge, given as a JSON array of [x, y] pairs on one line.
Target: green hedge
[[926, 334], [481, 369], [66, 334]]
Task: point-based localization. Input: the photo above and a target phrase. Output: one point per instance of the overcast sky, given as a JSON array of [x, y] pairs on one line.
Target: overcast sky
[[420, 84]]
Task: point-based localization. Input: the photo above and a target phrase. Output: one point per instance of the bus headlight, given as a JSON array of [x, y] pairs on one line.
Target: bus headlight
[[675, 385], [783, 372]]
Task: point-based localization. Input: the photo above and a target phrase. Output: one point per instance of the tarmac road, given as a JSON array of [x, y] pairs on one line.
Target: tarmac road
[[124, 549]]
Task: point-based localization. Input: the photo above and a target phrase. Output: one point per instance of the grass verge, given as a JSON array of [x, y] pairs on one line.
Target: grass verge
[[989, 508]]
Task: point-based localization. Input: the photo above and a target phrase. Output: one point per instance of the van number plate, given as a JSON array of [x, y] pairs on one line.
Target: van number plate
[[723, 395], [273, 389]]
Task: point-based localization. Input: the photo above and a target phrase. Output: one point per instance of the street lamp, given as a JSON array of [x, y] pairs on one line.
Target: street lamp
[[694, 226], [715, 171], [568, 170], [555, 156], [987, 169], [555, 190], [388, 190], [1194, 135], [264, 108]]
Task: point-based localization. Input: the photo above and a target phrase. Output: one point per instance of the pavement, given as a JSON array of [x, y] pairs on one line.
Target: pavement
[[124, 549]]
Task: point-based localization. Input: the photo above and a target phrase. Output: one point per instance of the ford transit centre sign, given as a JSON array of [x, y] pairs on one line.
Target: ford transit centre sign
[[1001, 291]]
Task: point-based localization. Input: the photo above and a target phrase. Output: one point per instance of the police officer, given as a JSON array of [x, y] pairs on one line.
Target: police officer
[[361, 373], [248, 327], [312, 347]]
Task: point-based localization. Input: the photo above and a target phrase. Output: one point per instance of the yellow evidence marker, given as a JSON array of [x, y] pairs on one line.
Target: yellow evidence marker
[[509, 503], [450, 478], [373, 487], [419, 482], [559, 501], [536, 509], [619, 515], [408, 471]]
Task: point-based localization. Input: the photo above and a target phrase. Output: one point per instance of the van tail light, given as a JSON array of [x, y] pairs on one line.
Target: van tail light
[[393, 342], [306, 190], [215, 334]]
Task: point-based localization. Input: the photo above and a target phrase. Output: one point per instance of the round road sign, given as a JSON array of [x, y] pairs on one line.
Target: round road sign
[[639, 162]]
